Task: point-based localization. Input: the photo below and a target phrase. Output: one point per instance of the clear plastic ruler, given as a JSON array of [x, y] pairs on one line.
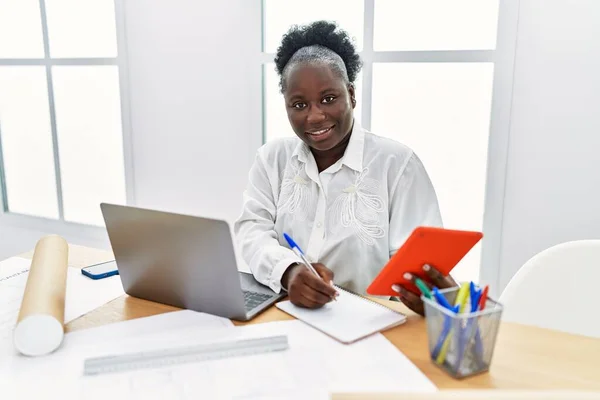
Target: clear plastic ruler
[[180, 355]]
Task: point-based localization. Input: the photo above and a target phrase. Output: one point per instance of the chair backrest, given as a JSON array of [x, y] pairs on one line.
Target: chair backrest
[[557, 289]]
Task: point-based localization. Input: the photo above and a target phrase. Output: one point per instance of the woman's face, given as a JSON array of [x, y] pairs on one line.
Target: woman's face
[[319, 105]]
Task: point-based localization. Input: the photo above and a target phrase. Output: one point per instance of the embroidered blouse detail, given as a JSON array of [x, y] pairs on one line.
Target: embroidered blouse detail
[[360, 208], [296, 196]]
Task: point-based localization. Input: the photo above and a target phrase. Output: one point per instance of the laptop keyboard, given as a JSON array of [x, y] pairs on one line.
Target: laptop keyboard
[[254, 299]]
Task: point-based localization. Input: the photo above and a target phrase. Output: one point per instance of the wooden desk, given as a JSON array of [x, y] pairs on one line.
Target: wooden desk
[[525, 357]]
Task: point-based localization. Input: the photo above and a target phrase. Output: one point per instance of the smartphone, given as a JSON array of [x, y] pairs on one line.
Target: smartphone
[[102, 270]]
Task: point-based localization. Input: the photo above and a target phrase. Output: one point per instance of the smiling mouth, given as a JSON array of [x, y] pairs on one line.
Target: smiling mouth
[[321, 132]]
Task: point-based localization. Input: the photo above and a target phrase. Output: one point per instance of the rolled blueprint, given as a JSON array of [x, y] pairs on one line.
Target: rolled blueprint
[[40, 324]]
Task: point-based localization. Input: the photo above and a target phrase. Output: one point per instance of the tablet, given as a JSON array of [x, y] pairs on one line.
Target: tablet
[[439, 247]]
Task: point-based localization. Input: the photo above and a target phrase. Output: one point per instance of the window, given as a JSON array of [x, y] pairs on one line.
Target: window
[[61, 142], [426, 81]]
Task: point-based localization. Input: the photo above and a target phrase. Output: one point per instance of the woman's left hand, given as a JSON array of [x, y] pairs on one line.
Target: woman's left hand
[[412, 300]]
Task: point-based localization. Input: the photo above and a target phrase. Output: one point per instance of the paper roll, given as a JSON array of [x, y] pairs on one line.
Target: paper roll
[[39, 329]]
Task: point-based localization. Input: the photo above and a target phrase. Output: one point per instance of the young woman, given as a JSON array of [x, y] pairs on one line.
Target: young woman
[[348, 197]]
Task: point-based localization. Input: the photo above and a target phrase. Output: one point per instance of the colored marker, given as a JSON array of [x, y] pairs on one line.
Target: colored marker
[[441, 299], [475, 297], [483, 298], [423, 288], [461, 300]]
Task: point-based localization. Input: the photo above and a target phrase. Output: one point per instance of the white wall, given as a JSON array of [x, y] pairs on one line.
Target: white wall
[[195, 100], [19, 234], [15, 241], [194, 84], [552, 189]]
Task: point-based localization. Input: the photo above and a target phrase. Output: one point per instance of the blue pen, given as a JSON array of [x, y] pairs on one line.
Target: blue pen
[[296, 249], [447, 321], [475, 296], [442, 300], [478, 343]]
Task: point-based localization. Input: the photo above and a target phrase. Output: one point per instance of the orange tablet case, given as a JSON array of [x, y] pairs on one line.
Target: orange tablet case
[[441, 248]]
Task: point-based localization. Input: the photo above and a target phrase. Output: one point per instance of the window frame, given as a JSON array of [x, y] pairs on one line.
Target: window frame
[[369, 56], [503, 58], [60, 225]]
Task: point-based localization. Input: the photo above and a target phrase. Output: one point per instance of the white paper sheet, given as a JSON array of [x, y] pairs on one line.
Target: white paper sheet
[[52, 372], [153, 325], [313, 367], [348, 319], [83, 294]]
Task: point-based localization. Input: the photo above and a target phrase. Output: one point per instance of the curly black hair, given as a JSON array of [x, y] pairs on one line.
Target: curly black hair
[[323, 38]]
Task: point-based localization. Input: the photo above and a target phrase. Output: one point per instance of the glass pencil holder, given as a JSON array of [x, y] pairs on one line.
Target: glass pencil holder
[[461, 344]]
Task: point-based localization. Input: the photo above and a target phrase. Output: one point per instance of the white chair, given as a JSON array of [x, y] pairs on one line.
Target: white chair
[[558, 289]]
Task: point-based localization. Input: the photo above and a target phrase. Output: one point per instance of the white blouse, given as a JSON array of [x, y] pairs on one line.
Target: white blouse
[[351, 217]]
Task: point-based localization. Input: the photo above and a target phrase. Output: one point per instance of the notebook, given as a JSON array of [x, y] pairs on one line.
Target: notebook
[[350, 318]]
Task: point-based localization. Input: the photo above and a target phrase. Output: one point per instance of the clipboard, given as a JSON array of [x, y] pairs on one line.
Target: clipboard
[[439, 247]]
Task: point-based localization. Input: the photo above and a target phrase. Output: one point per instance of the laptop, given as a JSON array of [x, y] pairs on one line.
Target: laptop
[[184, 261]]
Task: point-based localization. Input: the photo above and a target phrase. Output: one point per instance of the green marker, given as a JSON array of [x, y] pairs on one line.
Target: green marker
[[423, 287]]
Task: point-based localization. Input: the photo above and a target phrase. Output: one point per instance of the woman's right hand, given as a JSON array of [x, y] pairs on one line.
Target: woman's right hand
[[412, 300], [307, 290]]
